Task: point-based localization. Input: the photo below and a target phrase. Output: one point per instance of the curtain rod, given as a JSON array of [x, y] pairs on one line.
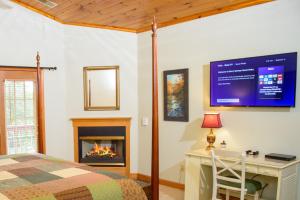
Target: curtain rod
[[27, 67]]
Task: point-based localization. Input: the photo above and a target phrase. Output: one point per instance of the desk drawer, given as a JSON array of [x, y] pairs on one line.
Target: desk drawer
[[252, 169], [249, 168], [268, 171], [289, 171]]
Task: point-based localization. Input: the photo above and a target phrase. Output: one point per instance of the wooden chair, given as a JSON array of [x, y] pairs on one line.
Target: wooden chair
[[234, 181]]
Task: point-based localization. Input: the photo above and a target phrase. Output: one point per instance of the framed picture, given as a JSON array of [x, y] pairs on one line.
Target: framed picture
[[176, 95]]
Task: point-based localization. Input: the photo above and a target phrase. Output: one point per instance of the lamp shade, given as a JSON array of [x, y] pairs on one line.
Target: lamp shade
[[212, 120]]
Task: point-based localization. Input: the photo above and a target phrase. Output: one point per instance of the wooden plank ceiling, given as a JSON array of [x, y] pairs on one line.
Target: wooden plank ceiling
[[133, 15]]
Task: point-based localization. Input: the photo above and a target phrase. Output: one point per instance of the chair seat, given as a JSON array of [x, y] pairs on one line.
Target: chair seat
[[251, 185]]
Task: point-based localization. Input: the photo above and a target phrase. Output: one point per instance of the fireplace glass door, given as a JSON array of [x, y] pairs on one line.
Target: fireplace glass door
[[102, 150]]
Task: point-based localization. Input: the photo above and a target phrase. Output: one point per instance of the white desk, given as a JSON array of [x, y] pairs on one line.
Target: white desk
[[198, 179]]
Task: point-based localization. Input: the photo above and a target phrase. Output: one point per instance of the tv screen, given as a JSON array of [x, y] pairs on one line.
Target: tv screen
[[265, 81]]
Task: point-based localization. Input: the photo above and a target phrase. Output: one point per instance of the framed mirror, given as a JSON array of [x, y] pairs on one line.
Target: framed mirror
[[101, 88]]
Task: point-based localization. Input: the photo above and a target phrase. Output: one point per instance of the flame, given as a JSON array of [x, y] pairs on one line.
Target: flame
[[101, 151]]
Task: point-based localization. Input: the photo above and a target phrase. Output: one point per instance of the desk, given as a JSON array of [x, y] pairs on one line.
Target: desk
[[198, 179]]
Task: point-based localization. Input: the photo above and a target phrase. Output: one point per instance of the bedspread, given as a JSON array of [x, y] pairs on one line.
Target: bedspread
[[40, 177]]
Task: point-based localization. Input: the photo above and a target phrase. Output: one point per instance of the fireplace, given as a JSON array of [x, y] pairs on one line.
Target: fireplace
[[103, 142], [104, 146]]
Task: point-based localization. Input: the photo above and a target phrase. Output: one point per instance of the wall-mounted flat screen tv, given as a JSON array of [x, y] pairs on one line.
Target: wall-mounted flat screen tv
[[264, 81]]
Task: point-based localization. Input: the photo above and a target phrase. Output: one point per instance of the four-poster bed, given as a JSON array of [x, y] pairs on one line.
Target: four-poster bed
[[123, 187], [155, 119], [37, 176]]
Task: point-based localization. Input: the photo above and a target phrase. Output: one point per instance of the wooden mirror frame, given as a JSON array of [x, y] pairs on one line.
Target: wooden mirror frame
[[87, 106]]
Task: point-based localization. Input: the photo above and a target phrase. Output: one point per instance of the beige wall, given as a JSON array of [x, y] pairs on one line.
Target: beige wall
[[261, 30]]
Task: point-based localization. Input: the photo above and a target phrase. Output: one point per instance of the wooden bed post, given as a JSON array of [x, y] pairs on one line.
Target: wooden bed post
[[40, 106], [155, 131]]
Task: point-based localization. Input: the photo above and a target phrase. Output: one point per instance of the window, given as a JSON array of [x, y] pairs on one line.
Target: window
[[20, 116]]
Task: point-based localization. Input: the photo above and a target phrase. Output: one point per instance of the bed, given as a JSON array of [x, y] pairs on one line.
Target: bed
[[40, 177]]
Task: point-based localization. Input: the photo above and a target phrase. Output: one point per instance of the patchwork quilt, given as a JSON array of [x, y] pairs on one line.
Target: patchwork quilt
[[40, 177]]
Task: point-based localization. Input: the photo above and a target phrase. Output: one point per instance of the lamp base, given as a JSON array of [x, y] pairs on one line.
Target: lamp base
[[211, 138]]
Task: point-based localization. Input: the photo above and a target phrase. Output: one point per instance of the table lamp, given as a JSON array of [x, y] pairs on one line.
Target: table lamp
[[211, 120]]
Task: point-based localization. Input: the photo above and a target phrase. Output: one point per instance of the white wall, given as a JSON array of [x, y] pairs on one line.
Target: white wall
[[260, 30], [96, 47], [22, 34]]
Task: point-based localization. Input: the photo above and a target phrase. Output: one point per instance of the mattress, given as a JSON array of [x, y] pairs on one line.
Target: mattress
[[40, 177]]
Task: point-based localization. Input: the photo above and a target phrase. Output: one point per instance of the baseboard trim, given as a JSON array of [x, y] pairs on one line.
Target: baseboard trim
[[146, 178]]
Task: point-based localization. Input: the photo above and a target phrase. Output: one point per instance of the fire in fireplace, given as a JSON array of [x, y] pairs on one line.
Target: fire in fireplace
[[102, 151]]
